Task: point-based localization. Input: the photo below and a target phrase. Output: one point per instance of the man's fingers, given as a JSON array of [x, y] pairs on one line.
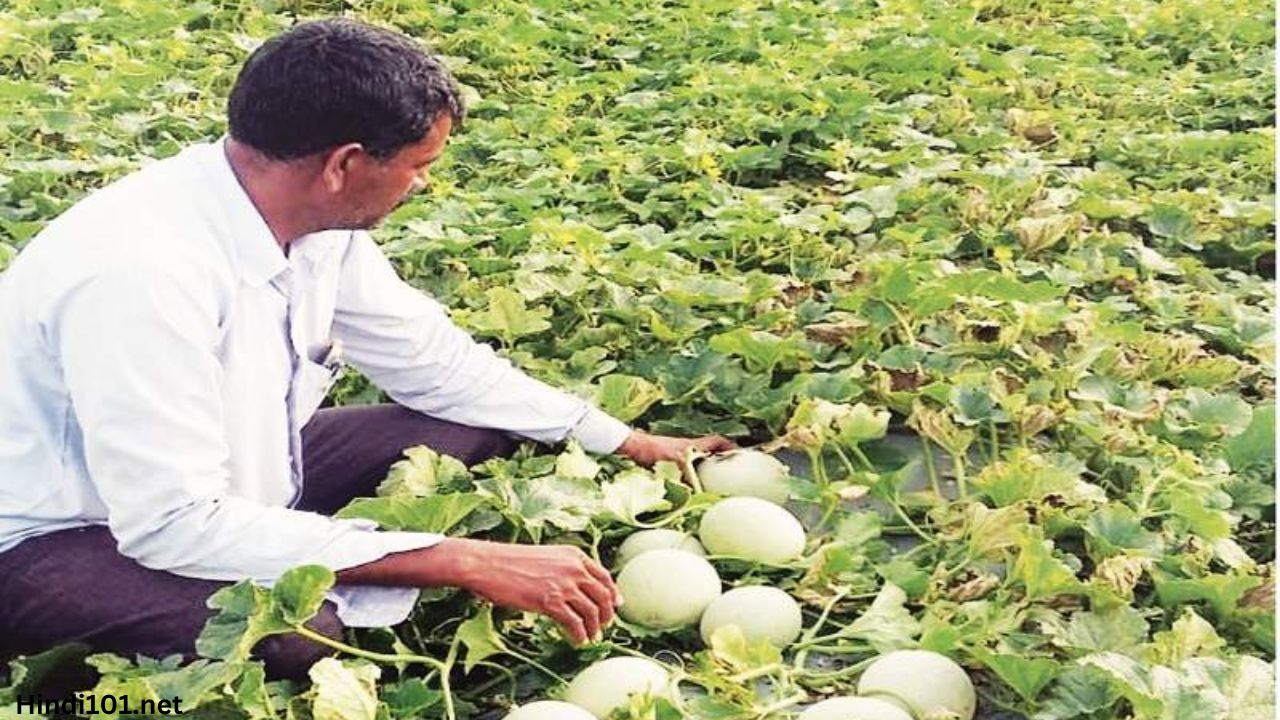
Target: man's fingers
[[715, 443], [571, 621], [602, 596], [585, 609], [601, 576]]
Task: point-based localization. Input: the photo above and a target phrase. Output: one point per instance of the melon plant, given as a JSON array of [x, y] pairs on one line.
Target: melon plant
[[658, 539], [549, 710], [923, 682], [760, 612], [609, 684], [749, 473], [667, 589], [854, 708], [752, 529]]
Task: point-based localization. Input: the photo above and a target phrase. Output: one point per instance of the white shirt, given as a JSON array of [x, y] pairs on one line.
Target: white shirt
[[161, 355]]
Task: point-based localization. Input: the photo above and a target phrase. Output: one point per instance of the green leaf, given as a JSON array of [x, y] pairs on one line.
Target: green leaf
[[1039, 571], [1078, 692], [410, 698], [1027, 676], [632, 493], [1223, 592], [730, 646], [862, 423], [1207, 415], [1255, 446], [1190, 636], [537, 502], [626, 397], [435, 514], [506, 316], [480, 638], [421, 473], [299, 592], [1119, 628], [574, 463], [247, 612], [887, 625], [1028, 476], [344, 690], [762, 351], [1171, 222], [1115, 529], [973, 405], [907, 575]]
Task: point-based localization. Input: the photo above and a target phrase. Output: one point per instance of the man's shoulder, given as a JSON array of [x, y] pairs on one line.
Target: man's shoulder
[[150, 217]]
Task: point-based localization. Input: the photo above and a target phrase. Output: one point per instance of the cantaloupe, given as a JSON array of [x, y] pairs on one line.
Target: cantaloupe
[[609, 684], [921, 682], [746, 472], [667, 589], [752, 529], [761, 612]]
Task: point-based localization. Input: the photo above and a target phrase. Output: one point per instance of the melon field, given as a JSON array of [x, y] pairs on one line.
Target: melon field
[[990, 280]]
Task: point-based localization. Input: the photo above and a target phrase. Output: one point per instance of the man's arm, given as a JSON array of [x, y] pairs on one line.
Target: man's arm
[[406, 344], [559, 581]]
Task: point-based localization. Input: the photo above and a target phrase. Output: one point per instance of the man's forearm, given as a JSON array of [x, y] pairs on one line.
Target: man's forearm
[[447, 563]]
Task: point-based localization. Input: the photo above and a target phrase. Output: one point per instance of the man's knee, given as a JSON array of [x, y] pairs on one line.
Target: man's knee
[[490, 444], [289, 657]]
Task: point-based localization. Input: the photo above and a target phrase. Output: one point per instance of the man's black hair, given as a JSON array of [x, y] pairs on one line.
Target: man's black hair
[[331, 82]]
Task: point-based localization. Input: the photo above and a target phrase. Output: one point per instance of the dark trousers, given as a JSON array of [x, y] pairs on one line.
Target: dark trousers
[[73, 585]]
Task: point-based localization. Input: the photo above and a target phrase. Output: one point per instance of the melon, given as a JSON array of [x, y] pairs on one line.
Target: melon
[[609, 684], [749, 473], [921, 682], [854, 708], [762, 613], [549, 710], [667, 589], [659, 539], [752, 529]]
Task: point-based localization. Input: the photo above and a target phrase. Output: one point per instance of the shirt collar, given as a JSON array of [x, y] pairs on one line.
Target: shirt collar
[[258, 255]]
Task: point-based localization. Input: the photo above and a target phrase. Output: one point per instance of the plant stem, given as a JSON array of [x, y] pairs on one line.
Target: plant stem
[[930, 467], [811, 633], [310, 634], [442, 667], [535, 665]]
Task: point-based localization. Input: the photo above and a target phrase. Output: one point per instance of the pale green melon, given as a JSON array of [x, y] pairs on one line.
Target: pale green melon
[[745, 472], [659, 539], [549, 710], [922, 682], [760, 612], [607, 685], [667, 589], [752, 529], [854, 708]]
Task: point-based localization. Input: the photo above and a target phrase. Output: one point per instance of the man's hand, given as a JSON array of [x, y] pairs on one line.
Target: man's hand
[[559, 581], [648, 449]]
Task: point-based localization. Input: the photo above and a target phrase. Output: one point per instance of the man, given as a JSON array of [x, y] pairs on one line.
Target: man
[[169, 339]]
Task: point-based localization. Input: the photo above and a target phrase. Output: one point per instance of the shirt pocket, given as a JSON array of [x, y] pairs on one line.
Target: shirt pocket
[[312, 382]]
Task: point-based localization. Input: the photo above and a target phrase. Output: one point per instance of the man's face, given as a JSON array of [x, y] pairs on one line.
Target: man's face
[[378, 187]]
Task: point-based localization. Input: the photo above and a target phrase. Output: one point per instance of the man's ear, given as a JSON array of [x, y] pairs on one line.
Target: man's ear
[[338, 163]]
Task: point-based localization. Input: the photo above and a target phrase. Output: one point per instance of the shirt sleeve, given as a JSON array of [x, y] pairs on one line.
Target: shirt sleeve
[[405, 343], [138, 353]]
